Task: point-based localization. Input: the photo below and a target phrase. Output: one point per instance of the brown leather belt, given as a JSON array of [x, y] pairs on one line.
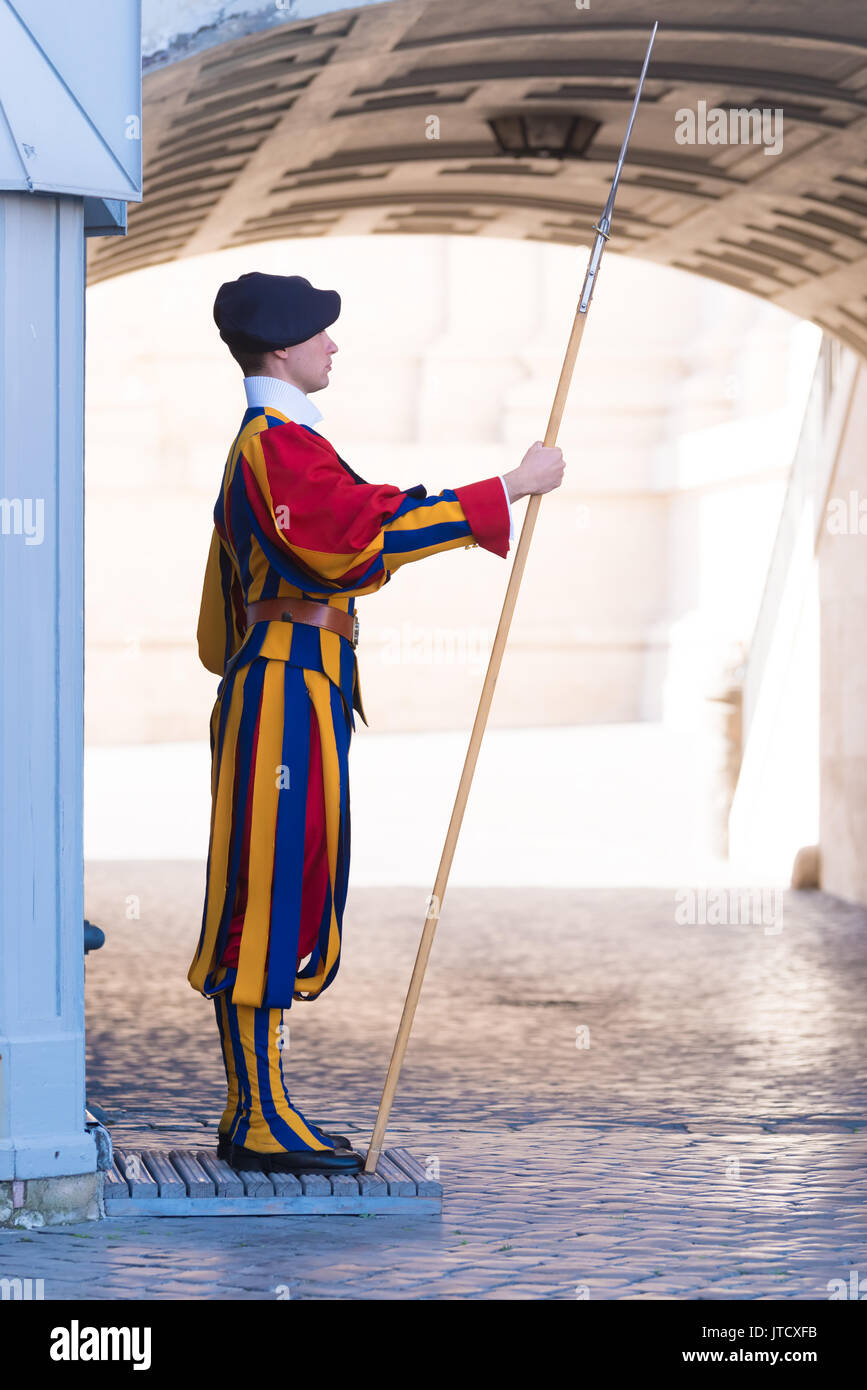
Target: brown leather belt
[[303, 610]]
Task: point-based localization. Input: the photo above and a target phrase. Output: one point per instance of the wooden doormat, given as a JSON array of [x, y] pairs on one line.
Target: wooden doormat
[[187, 1182]]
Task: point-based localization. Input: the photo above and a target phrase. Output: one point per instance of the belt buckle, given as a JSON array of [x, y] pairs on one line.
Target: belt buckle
[[354, 638]]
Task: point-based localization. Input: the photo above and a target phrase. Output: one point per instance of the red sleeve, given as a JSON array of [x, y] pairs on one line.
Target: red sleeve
[[487, 511]]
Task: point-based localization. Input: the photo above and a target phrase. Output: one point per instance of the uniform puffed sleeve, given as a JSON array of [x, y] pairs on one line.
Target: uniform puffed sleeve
[[350, 535]]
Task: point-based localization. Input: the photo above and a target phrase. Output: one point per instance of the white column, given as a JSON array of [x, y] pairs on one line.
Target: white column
[[42, 1099]]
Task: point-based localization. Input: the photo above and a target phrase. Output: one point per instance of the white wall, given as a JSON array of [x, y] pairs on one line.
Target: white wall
[[677, 444]]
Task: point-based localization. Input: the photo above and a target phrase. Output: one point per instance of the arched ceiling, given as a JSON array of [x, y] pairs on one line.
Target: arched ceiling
[[321, 127]]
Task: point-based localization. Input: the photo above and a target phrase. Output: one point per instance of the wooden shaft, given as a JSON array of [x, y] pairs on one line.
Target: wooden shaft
[[475, 743]]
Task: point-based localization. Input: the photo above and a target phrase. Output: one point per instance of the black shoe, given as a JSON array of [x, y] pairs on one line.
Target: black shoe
[[224, 1143], [292, 1161], [316, 1161], [241, 1159]]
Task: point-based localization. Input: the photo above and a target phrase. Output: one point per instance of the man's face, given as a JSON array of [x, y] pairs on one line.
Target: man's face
[[308, 364]]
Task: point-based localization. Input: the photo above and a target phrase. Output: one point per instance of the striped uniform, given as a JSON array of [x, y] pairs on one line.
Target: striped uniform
[[259, 1114], [293, 520]]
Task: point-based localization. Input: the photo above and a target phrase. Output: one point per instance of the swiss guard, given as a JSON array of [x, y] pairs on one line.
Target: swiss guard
[[298, 537]]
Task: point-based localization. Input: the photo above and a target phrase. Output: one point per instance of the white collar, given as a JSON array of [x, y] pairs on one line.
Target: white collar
[[283, 396]]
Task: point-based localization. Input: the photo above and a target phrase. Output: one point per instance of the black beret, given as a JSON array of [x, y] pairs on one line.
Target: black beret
[[257, 312]]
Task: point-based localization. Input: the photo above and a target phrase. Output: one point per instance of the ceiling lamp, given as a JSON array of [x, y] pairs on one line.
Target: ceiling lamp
[[544, 134]]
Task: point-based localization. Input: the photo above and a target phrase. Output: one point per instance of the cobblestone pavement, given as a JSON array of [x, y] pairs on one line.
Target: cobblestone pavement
[[707, 1144]]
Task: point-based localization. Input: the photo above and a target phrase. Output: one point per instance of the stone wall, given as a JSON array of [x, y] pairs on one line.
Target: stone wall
[[843, 665]]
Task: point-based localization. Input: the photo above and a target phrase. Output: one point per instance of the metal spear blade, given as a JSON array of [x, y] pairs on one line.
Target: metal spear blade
[[603, 226], [609, 206]]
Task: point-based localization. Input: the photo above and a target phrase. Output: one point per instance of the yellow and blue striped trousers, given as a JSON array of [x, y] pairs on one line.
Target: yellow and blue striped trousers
[[259, 1114]]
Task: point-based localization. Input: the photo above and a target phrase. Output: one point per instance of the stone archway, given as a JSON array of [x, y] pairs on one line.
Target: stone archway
[[256, 129]]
